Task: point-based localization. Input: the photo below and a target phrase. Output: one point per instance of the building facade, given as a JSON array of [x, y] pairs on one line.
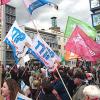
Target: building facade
[[8, 17]]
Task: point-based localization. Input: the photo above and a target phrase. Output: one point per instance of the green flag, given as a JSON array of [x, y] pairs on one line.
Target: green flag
[[73, 22]]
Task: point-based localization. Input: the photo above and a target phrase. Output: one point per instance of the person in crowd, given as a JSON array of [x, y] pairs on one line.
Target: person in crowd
[[10, 89], [8, 74], [31, 79], [90, 78], [80, 85], [26, 89], [14, 74], [78, 95], [35, 82], [91, 92], [59, 87], [25, 75], [47, 92]]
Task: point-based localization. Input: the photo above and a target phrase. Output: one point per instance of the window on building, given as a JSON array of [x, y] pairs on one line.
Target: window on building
[[50, 44], [9, 55], [58, 38], [59, 46], [56, 46]]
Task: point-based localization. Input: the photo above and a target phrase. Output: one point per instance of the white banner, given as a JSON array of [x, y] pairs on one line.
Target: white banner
[[26, 58], [18, 40], [41, 50], [22, 97]]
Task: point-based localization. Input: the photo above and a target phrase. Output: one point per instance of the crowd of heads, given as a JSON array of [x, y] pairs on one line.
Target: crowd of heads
[[38, 83]]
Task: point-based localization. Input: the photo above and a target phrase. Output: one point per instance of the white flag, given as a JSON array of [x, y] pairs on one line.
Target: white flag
[[42, 51], [26, 58], [18, 40], [22, 97]]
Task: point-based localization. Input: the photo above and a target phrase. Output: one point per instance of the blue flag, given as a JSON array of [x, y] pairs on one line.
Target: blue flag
[[34, 4]]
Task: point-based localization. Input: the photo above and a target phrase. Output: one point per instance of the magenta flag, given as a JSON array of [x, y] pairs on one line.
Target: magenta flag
[[82, 45], [2, 2]]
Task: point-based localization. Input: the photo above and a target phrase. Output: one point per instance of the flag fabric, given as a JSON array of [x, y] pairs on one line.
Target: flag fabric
[[73, 22], [21, 44], [24, 87], [70, 55], [2, 2], [26, 58], [22, 97], [82, 45], [44, 72], [42, 51], [34, 4], [18, 40]]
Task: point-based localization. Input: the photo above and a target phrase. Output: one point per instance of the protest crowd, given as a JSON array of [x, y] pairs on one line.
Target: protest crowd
[[54, 80], [41, 85]]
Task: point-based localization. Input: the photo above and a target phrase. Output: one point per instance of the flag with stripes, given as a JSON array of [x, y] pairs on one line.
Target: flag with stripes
[[34, 4]]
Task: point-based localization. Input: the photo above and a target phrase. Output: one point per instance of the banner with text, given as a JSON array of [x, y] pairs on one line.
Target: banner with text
[[18, 40], [41, 50]]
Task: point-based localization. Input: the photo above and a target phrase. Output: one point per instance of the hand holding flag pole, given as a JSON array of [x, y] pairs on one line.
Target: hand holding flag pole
[[64, 84], [56, 65]]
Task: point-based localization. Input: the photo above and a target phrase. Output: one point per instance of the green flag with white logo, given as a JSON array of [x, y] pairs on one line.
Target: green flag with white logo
[[73, 22]]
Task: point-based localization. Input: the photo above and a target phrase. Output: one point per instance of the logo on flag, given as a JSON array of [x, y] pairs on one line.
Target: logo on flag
[[82, 45], [73, 22]]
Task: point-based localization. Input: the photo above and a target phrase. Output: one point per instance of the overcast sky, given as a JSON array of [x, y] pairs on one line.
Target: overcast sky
[[76, 8]]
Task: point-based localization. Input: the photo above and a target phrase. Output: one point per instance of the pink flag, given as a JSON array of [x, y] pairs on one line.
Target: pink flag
[[2, 2], [82, 45]]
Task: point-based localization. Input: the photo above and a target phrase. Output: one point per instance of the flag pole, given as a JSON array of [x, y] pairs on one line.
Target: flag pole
[[30, 16], [61, 79], [64, 84], [34, 24], [25, 69]]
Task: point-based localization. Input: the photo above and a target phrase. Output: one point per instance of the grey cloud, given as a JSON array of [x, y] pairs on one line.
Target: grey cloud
[[43, 13]]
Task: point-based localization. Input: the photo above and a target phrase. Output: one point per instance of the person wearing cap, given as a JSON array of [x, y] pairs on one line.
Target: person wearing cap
[[80, 85], [91, 92], [78, 95]]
